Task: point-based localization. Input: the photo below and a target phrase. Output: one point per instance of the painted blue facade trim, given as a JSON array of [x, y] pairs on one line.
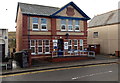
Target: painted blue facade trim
[[75, 6], [58, 17], [72, 18]]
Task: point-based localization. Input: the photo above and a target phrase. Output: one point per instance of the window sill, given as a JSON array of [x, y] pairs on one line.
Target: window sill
[[63, 30], [35, 29], [33, 53], [70, 30], [77, 30], [47, 53], [44, 30]]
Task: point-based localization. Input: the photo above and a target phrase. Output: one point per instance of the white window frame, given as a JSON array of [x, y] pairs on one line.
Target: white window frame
[[62, 25], [77, 25], [70, 25], [76, 45], [46, 46], [82, 43], [40, 46], [69, 45], [33, 46], [35, 24], [44, 24], [95, 35]]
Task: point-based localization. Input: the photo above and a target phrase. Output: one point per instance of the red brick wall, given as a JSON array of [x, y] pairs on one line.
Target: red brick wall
[[19, 31], [53, 26], [25, 32]]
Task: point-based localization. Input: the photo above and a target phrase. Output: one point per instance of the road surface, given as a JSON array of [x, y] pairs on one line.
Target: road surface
[[101, 72]]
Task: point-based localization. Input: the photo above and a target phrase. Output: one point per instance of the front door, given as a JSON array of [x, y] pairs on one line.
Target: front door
[[60, 47]]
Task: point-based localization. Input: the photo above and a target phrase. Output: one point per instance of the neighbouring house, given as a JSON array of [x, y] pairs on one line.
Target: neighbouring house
[[45, 29], [12, 42], [104, 33], [3, 44]]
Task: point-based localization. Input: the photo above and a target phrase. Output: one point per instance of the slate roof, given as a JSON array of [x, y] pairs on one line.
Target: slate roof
[[105, 19], [37, 9], [40, 10]]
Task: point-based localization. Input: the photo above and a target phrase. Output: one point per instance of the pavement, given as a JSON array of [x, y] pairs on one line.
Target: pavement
[[44, 65]]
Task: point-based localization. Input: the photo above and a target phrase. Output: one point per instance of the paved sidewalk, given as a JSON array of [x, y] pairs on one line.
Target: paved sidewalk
[[43, 65]]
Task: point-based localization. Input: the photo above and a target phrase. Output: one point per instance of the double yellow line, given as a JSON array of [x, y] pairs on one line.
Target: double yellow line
[[50, 70]]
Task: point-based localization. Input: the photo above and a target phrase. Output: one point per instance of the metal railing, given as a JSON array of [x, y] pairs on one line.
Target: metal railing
[[73, 53]]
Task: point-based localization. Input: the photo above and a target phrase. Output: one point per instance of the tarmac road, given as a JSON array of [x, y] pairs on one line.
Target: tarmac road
[[101, 72]]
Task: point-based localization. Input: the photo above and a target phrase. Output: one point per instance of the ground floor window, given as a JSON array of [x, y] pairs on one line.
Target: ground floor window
[[40, 46], [81, 44], [47, 46], [75, 44], [32, 46], [69, 45]]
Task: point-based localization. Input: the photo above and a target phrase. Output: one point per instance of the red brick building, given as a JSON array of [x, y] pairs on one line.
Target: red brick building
[[45, 29]]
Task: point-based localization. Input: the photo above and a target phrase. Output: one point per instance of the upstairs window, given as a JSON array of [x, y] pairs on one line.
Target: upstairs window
[[35, 23], [63, 25], [43, 24], [95, 34], [70, 25], [77, 26]]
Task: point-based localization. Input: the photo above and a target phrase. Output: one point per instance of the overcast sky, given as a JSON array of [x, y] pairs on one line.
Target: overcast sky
[[8, 8]]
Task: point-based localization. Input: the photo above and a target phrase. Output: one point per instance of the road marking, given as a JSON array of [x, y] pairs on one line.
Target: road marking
[[50, 70], [75, 78]]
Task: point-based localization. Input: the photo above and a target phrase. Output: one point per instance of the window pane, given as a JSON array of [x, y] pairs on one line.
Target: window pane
[[95, 34], [75, 47], [70, 22], [69, 48], [81, 47], [47, 49], [63, 27], [47, 42], [39, 42], [35, 20], [77, 22], [43, 26], [35, 26], [39, 49], [76, 27], [69, 42], [43, 21], [32, 42], [33, 49], [70, 28], [81, 42], [75, 42], [63, 21]]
